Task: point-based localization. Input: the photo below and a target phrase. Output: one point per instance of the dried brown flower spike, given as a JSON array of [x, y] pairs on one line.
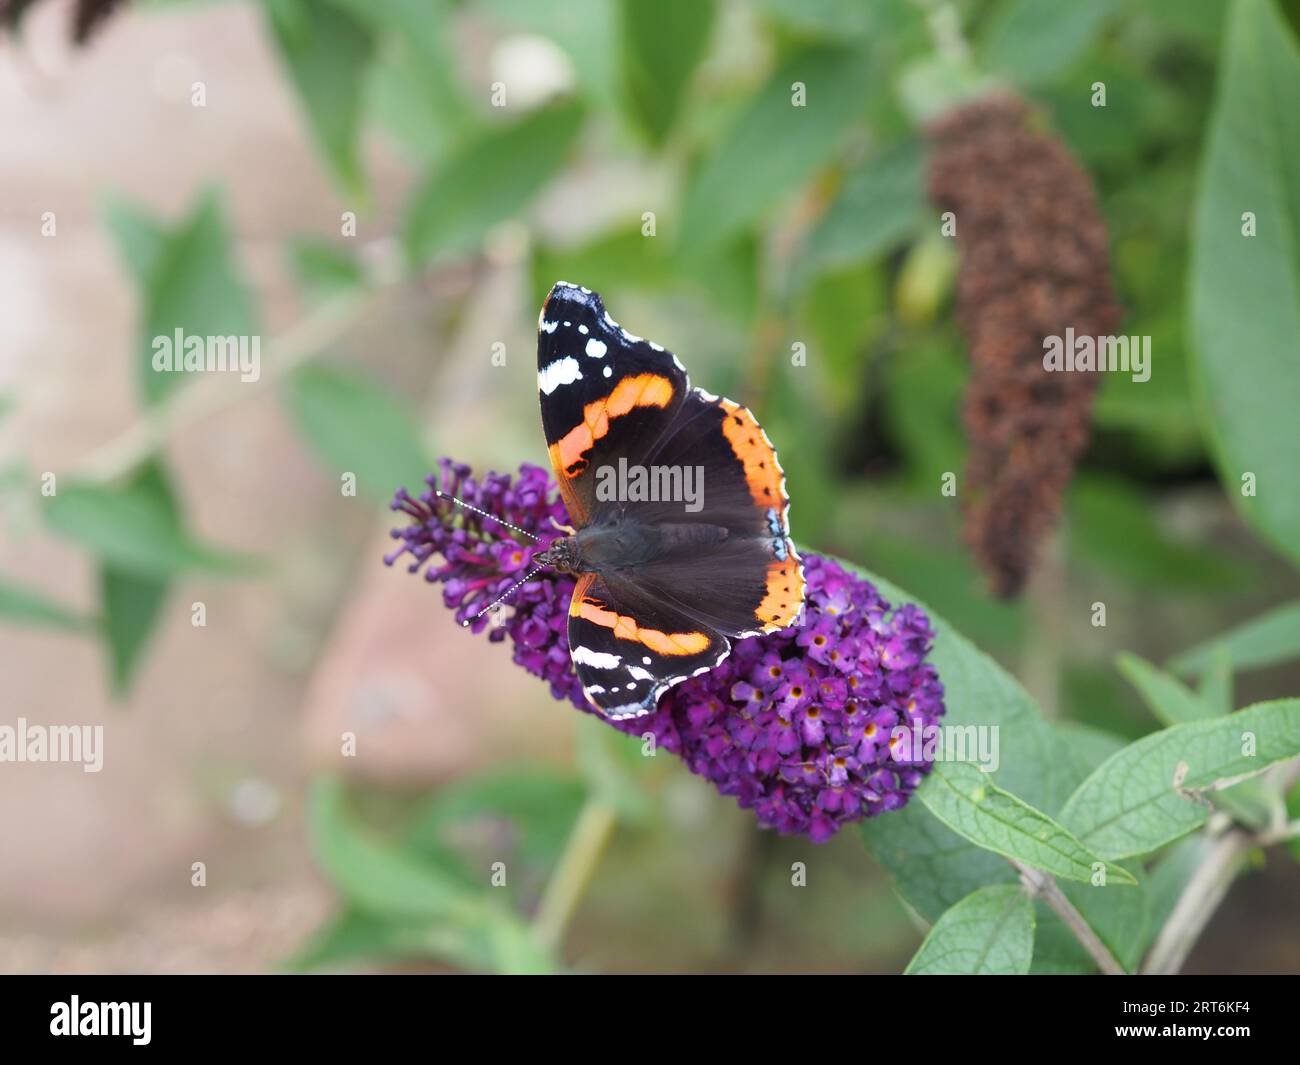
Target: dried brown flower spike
[[1033, 263]]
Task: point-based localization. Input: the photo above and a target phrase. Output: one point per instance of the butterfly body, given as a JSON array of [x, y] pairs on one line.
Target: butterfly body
[[667, 575], [625, 545]]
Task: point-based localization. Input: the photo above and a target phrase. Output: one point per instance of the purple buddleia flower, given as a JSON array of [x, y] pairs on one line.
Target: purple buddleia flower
[[797, 725]]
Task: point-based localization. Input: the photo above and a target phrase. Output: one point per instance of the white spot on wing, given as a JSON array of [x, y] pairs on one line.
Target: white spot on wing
[[561, 372], [596, 348], [584, 656]]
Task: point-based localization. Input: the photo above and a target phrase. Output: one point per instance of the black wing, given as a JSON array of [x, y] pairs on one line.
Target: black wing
[[605, 393], [629, 648]]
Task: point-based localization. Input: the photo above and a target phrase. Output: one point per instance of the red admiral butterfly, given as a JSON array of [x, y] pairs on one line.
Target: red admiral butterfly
[[663, 588]]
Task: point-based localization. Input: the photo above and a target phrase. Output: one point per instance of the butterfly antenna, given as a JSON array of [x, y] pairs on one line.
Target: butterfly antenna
[[496, 603], [484, 513]]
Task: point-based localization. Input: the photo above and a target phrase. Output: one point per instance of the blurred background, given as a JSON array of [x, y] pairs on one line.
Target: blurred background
[[384, 192]]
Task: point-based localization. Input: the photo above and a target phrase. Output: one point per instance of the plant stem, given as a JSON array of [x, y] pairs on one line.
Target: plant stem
[[1045, 598], [1042, 885], [591, 831], [1194, 908]]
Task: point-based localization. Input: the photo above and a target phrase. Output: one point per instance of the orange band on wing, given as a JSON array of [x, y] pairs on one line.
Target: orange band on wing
[[784, 596], [626, 628], [643, 390], [762, 473]]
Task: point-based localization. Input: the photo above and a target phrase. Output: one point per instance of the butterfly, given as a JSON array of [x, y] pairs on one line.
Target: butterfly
[[681, 540]]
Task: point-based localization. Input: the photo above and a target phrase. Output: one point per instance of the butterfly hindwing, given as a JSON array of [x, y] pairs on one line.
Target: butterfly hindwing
[[753, 581], [603, 392], [628, 649]]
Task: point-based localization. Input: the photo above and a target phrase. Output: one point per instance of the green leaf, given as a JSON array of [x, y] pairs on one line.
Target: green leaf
[[140, 237], [488, 181], [1245, 290], [357, 427], [427, 909], [324, 268], [774, 146], [327, 51], [1164, 695], [132, 606], [1032, 41], [135, 528], [189, 282], [131, 602], [835, 19], [1174, 704], [966, 800], [1271, 638], [34, 608], [372, 874], [1215, 688], [662, 43], [932, 867], [880, 204], [354, 934], [989, 933], [1131, 804]]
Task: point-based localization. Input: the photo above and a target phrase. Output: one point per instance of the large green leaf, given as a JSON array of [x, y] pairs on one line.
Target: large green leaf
[[1245, 290], [489, 180], [357, 427], [132, 605], [880, 203], [1131, 805], [1165, 696], [774, 146], [989, 933], [1175, 704], [327, 51], [964, 798], [662, 42], [140, 237], [131, 601], [1032, 41], [833, 19], [135, 528], [1263, 641], [189, 281]]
